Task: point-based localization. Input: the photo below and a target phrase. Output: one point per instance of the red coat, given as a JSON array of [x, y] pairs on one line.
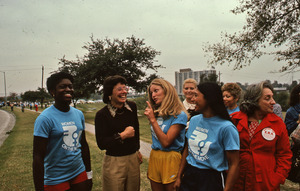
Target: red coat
[[265, 161]]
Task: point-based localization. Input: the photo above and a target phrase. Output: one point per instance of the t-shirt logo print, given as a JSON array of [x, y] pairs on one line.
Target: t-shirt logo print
[[160, 122], [198, 145], [71, 137]]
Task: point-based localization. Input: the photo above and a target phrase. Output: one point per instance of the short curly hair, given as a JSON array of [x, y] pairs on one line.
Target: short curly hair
[[233, 88], [55, 78], [109, 84], [251, 97]]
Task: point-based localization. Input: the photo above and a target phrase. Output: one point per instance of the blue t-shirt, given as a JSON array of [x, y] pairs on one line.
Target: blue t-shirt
[[63, 160], [230, 111], [291, 118], [165, 125], [208, 139]]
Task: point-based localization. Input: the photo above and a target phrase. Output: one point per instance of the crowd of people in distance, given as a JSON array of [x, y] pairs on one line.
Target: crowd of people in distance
[[23, 105], [217, 138]]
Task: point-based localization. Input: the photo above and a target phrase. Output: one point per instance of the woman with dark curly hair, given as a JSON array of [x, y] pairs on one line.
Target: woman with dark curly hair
[[265, 155], [231, 95], [117, 132]]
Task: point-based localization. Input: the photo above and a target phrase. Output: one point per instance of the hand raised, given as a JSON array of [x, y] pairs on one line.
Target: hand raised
[[149, 111]]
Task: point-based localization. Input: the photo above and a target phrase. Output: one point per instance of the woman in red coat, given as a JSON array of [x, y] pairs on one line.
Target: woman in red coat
[[265, 155]]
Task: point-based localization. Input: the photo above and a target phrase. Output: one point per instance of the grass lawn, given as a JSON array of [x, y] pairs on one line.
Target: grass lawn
[[16, 157], [16, 152]]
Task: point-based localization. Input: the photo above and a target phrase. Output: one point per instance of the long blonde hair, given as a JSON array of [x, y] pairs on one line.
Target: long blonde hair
[[171, 104]]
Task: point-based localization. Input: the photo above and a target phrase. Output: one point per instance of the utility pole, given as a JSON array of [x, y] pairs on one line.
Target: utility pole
[[219, 77], [5, 89], [42, 77], [42, 99]]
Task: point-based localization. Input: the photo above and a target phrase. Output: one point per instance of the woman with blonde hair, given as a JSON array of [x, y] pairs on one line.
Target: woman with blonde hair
[[189, 87], [168, 119]]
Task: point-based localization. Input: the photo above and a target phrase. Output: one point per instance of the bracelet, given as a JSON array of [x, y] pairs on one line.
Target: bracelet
[[89, 174], [118, 138]]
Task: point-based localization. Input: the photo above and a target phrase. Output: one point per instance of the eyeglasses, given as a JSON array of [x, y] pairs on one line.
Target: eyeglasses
[[125, 88]]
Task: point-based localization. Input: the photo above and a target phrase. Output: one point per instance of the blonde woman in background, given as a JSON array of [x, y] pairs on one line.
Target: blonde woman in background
[[189, 87], [168, 119]]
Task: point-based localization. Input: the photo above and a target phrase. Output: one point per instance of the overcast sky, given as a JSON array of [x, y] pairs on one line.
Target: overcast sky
[[36, 33]]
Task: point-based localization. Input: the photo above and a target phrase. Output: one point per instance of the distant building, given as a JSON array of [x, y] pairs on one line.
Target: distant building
[[184, 74], [280, 89]]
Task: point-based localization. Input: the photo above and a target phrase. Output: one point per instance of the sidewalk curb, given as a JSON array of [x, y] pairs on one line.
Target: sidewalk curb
[[8, 127]]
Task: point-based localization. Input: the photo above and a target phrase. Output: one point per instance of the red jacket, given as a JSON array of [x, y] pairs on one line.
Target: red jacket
[[265, 161]]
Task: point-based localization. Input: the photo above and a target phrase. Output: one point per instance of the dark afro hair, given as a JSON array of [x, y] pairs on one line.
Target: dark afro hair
[[55, 78]]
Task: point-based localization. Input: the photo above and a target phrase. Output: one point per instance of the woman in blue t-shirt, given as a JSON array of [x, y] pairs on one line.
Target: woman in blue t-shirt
[[168, 119], [212, 145], [61, 155]]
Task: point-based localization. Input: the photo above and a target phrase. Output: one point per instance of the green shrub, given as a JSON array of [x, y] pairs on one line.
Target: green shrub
[[141, 102]]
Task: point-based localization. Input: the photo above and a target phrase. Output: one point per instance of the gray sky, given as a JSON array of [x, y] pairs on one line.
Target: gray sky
[[39, 32]]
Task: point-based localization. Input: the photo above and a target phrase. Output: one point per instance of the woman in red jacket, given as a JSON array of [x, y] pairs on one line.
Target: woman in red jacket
[[265, 155]]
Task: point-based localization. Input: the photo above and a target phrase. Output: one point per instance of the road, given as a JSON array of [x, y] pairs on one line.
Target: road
[[7, 123]]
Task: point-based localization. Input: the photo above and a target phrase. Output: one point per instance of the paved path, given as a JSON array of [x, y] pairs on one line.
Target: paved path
[[145, 147], [7, 123]]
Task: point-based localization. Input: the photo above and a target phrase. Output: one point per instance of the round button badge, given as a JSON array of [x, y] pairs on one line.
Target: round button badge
[[268, 134]]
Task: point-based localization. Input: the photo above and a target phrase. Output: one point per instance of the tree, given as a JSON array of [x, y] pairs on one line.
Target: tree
[[208, 77], [30, 96], [83, 86], [42, 94], [282, 98], [144, 84], [269, 23], [130, 58], [12, 96], [243, 87], [294, 83], [33, 96]]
